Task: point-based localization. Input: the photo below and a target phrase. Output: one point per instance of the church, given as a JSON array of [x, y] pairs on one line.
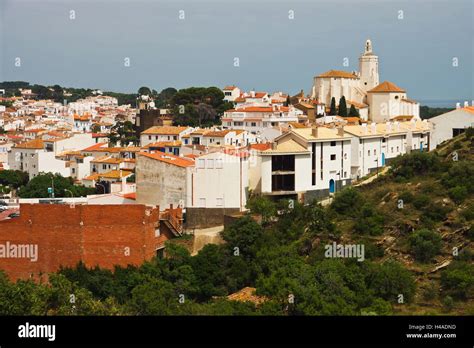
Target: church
[[375, 101]]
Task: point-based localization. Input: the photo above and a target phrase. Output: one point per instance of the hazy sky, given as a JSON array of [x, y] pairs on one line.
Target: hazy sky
[[275, 52]]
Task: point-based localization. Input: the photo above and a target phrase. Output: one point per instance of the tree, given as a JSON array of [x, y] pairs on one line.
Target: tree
[[342, 107], [262, 206], [353, 112], [424, 244], [288, 101], [243, 234], [333, 110], [206, 114], [63, 187], [13, 178], [123, 132], [144, 91], [164, 98]]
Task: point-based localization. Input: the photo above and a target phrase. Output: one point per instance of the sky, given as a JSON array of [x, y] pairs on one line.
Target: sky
[[424, 46]]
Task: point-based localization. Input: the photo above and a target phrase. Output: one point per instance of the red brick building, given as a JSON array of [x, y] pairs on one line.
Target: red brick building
[[104, 235]]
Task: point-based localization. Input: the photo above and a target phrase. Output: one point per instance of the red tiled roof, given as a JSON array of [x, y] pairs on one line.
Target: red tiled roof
[[170, 159]]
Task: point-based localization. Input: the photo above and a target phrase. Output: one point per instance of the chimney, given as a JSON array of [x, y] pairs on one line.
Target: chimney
[[314, 131], [364, 128], [374, 129], [252, 94], [466, 104], [274, 146], [458, 105], [340, 131]]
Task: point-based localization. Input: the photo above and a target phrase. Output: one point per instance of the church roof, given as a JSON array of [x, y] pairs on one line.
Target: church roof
[[339, 74], [386, 87]]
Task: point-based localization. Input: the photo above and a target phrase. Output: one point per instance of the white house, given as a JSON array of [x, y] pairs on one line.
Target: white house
[[219, 180], [304, 163], [231, 93], [450, 124], [163, 133]]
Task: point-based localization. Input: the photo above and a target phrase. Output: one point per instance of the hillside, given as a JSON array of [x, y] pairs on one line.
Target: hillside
[[425, 192]]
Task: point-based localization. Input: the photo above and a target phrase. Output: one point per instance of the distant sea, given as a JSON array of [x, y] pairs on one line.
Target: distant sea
[[442, 103]]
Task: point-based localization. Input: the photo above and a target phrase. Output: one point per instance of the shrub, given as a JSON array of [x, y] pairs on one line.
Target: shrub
[[430, 293], [420, 201], [369, 221], [448, 303], [347, 202], [457, 279], [458, 193], [424, 245], [391, 279], [415, 163], [468, 213], [406, 197], [457, 175], [434, 212]]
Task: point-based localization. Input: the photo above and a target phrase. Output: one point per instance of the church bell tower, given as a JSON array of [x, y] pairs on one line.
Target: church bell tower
[[369, 68]]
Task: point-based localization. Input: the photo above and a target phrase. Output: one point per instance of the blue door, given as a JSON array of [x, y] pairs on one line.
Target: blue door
[[421, 146], [383, 159], [331, 186]]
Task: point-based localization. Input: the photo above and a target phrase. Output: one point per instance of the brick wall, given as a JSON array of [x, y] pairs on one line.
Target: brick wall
[[104, 235]]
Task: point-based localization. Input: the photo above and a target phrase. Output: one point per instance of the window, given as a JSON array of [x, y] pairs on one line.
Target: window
[[219, 202], [384, 140], [201, 163], [396, 97], [149, 137], [254, 124], [210, 164], [104, 166], [345, 156], [391, 149], [398, 148], [283, 163], [368, 152], [345, 175], [375, 152], [333, 143], [219, 163], [175, 138], [333, 157]]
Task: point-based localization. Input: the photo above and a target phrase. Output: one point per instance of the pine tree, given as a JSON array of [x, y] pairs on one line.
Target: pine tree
[[342, 107], [288, 101], [333, 110], [353, 112]]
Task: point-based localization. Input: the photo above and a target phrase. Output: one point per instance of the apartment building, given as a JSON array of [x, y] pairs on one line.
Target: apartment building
[[304, 163]]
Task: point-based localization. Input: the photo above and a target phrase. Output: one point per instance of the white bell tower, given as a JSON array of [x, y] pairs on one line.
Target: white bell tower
[[369, 68]]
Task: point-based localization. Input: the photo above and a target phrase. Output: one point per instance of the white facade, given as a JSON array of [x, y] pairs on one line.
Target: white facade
[[219, 180], [448, 125]]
